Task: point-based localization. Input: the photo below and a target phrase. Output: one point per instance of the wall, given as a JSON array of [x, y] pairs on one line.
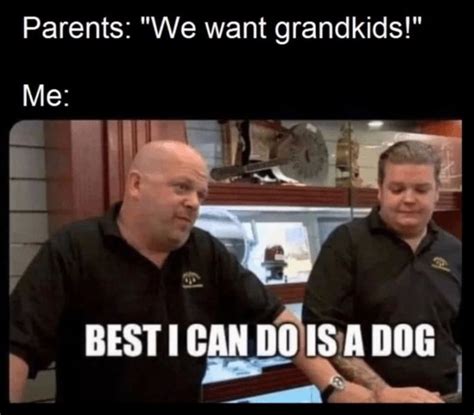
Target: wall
[[28, 219], [205, 135]]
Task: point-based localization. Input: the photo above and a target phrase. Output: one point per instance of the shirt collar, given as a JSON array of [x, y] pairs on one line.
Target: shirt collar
[[110, 226], [109, 221]]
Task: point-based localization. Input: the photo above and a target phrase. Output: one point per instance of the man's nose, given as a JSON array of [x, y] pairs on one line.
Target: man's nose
[[193, 201], [409, 196]]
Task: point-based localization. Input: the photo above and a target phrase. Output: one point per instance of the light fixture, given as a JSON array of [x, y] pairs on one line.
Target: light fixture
[[375, 124]]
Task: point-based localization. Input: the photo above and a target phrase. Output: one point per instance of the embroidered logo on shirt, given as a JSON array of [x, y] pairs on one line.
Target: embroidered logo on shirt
[[191, 280], [440, 263]]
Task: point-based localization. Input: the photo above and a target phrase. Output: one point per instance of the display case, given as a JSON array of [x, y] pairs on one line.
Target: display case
[[277, 243]]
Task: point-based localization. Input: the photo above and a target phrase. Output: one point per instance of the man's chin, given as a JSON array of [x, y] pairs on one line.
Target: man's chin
[[409, 223], [177, 241], [408, 220], [409, 228]]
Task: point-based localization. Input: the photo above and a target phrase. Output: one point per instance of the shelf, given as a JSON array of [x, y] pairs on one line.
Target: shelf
[[271, 380], [288, 293], [448, 200], [276, 195], [291, 195]]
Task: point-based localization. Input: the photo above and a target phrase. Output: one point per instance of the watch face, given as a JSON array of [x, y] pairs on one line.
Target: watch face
[[338, 382]]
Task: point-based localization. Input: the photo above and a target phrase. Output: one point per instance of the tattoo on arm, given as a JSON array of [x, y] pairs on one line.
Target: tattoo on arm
[[355, 369]]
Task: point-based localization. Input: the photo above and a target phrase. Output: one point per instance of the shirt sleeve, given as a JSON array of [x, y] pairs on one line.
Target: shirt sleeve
[[36, 305], [245, 299], [329, 290]]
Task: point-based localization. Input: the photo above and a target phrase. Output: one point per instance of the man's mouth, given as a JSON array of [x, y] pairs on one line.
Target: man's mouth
[[184, 219]]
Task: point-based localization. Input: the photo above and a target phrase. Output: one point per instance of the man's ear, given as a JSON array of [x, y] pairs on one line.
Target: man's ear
[[379, 192], [134, 183]]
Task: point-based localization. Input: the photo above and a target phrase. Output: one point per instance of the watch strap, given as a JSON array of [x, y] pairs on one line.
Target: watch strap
[[327, 392]]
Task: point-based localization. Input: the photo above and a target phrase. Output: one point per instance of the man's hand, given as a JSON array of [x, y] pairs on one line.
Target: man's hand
[[406, 395], [352, 393], [18, 375]]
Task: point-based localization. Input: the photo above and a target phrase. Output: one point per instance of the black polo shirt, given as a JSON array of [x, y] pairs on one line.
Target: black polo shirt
[[88, 274], [366, 275]]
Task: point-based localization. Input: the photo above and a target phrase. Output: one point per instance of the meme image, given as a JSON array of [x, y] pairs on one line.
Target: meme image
[[241, 260], [255, 210]]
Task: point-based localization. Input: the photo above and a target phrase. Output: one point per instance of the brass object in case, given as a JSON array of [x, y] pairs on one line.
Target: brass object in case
[[347, 154]]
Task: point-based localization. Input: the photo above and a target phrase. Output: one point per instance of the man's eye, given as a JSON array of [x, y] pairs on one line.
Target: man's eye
[[422, 190], [181, 187], [397, 190]]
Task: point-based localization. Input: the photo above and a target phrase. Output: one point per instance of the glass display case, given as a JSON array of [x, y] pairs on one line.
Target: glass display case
[[304, 394], [278, 243], [228, 368]]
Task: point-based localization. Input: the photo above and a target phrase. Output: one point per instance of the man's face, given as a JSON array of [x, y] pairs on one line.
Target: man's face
[[170, 200], [407, 197]]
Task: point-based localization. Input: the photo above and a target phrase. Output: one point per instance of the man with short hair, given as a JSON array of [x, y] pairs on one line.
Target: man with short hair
[[142, 263], [394, 266]]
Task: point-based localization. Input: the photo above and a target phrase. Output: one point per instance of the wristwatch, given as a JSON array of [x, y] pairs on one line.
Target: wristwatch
[[337, 383]]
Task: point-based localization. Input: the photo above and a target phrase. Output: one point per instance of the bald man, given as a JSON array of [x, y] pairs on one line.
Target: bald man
[[141, 264]]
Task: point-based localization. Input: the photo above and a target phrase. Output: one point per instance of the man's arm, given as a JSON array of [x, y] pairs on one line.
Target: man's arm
[[357, 370], [36, 305], [18, 376], [319, 370]]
